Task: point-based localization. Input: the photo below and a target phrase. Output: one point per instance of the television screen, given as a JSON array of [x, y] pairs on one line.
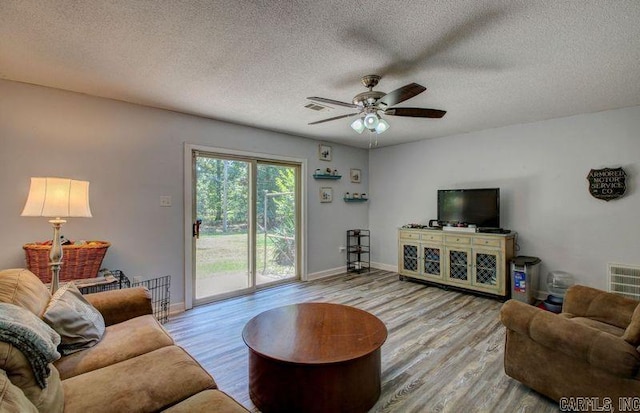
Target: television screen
[[480, 207]]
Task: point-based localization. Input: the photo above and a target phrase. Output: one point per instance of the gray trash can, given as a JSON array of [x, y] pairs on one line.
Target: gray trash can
[[524, 278]]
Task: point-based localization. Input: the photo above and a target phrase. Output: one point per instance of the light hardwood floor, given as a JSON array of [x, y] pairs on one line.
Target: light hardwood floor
[[444, 352]]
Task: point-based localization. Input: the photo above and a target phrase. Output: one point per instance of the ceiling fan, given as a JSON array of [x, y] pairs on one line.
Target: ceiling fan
[[372, 103]]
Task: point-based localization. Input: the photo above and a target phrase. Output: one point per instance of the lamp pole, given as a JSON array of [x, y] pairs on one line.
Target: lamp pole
[[55, 256]]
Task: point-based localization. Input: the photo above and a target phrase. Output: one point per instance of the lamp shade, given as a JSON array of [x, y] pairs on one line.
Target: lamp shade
[[57, 197], [358, 125], [382, 126], [371, 121]]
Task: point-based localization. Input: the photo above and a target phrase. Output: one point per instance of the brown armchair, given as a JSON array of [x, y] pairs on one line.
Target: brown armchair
[[589, 350]]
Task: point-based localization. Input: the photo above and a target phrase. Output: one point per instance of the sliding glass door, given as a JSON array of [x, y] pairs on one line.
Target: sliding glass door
[[245, 224], [276, 243], [222, 215]]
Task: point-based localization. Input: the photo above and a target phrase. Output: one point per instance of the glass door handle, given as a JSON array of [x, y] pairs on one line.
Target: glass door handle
[[196, 228]]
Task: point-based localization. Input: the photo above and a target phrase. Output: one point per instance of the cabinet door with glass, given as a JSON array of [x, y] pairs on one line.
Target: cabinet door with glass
[[432, 261], [409, 261], [487, 271], [458, 262]]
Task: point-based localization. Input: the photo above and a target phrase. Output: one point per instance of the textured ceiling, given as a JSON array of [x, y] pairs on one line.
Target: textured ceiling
[[487, 63]]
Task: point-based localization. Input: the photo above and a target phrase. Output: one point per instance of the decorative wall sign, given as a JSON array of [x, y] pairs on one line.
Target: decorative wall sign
[[324, 152], [607, 183]]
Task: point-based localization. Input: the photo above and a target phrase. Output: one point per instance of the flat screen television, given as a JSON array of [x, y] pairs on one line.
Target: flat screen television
[[480, 207]]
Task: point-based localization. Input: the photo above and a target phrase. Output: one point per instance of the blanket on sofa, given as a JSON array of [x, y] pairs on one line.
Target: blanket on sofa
[[32, 336]]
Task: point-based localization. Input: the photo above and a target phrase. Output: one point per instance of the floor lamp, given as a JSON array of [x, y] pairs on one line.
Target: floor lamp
[[57, 198]]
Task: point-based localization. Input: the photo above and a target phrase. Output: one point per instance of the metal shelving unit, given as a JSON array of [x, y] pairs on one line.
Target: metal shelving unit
[[358, 250]]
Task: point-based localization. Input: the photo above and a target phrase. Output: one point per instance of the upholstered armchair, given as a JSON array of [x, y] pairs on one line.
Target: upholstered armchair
[[589, 350]]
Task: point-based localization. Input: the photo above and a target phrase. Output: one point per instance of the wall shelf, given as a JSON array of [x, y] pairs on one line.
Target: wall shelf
[[326, 176], [355, 199]]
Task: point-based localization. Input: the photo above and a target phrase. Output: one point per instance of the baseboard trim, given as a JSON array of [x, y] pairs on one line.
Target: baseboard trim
[[176, 308], [326, 273], [386, 267]]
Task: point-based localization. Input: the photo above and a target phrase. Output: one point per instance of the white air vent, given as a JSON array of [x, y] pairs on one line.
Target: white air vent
[[625, 280], [317, 107]]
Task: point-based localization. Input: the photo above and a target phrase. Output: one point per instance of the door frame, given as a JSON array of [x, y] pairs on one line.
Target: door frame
[[188, 206]]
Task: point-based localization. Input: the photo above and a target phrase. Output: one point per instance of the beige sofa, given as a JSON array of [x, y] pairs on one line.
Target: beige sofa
[[590, 350], [136, 367]]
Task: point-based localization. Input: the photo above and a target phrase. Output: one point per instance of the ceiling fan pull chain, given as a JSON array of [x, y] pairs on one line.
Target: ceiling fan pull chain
[[372, 143]]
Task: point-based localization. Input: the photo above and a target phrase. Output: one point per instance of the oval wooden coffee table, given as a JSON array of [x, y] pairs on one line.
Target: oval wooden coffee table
[[314, 357]]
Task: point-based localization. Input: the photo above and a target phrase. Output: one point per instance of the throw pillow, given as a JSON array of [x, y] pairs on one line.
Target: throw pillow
[[79, 324]]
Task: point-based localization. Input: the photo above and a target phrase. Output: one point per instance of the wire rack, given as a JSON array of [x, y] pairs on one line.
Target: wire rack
[[160, 295], [160, 289]]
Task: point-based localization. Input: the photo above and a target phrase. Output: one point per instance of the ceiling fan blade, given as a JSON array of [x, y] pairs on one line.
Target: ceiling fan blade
[[400, 95], [368, 38], [333, 102], [416, 112], [334, 118]]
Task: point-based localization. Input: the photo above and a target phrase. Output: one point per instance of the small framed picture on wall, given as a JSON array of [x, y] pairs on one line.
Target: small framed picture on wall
[[356, 175], [326, 194], [324, 152]]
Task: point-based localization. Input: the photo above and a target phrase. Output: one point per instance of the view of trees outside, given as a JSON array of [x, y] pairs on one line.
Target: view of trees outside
[[222, 205]]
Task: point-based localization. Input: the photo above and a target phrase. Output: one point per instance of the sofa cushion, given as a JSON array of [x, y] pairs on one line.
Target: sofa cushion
[[79, 324], [632, 333], [117, 306], [120, 342], [598, 325], [19, 371], [146, 383], [12, 399], [599, 305], [205, 401], [21, 287]]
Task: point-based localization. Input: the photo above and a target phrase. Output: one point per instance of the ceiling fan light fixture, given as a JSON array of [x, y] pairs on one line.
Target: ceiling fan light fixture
[[371, 121], [358, 125], [370, 104], [382, 126]]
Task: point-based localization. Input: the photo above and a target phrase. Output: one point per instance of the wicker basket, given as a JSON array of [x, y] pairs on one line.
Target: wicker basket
[[78, 261]]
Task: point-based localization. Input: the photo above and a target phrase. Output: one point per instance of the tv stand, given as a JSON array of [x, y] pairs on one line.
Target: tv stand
[[474, 262]]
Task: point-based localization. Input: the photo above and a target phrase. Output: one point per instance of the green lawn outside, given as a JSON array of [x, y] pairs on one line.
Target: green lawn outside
[[228, 253]]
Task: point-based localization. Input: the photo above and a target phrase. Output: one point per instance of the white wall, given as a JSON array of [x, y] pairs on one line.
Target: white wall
[[541, 170], [132, 155]]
